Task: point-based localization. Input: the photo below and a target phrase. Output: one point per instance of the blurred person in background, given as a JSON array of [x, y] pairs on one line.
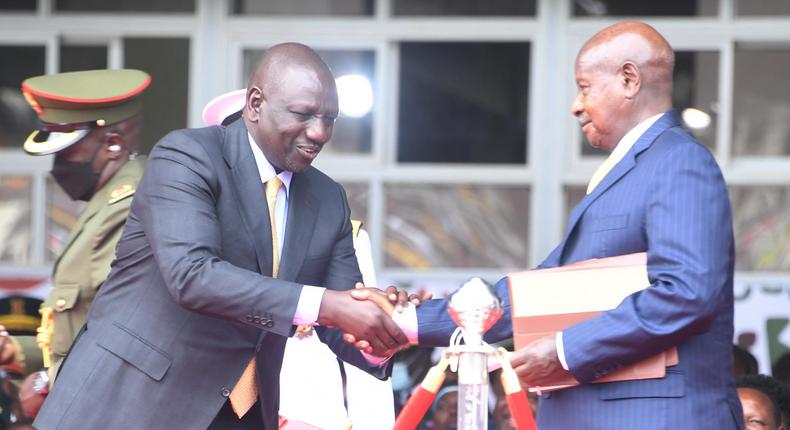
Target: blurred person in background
[[759, 398], [92, 122]]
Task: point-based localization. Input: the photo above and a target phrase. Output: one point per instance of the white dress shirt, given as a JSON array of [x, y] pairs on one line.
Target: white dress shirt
[[310, 298]]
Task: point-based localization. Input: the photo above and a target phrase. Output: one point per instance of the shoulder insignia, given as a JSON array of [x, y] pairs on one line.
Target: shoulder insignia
[[121, 192], [355, 226]]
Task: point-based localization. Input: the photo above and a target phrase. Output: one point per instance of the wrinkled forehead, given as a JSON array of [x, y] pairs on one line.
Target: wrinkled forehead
[[304, 84]]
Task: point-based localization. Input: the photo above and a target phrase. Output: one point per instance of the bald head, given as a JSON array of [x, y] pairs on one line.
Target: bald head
[[637, 43], [278, 59], [624, 76], [291, 106]]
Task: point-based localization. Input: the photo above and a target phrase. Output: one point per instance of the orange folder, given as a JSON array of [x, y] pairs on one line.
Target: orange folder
[[545, 301]]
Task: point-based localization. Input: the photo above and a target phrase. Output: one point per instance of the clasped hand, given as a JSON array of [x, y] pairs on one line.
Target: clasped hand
[[364, 317]]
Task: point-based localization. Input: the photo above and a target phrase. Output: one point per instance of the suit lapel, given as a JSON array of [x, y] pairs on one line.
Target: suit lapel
[[625, 165], [302, 213], [250, 194]]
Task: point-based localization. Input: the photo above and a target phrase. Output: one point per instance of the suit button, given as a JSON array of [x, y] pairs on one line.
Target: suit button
[[60, 304], [225, 392], [269, 324], [256, 320], [249, 318]]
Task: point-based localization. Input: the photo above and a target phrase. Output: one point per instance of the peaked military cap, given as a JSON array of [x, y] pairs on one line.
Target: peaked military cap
[[70, 105]]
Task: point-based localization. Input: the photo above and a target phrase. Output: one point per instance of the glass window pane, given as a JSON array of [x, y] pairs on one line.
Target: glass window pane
[[761, 98], [165, 101], [18, 5], [15, 227], [463, 102], [62, 214], [762, 7], [353, 131], [456, 226], [74, 58], [465, 7], [762, 227], [17, 119], [357, 193], [573, 195], [304, 7], [653, 8], [125, 6], [695, 93]]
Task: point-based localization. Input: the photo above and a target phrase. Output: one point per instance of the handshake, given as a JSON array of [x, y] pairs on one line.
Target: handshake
[[364, 316]]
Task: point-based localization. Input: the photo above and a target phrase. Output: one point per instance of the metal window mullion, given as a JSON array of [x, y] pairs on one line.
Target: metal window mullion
[[546, 131], [38, 208], [52, 55], [115, 53], [726, 91], [376, 220]]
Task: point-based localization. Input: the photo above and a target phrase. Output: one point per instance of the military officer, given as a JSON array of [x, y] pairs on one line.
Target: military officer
[[91, 121]]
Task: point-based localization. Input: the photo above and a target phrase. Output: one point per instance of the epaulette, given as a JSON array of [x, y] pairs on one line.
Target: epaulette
[[355, 226], [121, 192]]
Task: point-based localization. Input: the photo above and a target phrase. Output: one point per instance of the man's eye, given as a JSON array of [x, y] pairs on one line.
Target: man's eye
[[302, 115]]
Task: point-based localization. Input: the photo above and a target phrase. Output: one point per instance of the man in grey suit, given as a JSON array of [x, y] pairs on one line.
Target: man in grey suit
[[189, 329]]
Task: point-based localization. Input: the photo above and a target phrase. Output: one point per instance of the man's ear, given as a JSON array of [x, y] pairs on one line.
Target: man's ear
[[114, 144], [630, 79], [253, 104]]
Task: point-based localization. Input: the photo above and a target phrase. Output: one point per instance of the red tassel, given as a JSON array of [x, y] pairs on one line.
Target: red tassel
[[520, 411], [415, 409]]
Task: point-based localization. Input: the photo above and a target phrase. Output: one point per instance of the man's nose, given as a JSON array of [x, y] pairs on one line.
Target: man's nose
[[319, 130], [576, 106]]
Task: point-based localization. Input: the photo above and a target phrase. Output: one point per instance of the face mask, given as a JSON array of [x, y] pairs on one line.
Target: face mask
[[77, 178]]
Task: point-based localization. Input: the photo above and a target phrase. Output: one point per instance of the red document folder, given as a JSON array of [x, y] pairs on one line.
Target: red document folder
[[545, 301]]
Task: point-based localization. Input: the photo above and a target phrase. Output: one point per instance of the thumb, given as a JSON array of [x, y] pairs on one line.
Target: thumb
[[360, 294]]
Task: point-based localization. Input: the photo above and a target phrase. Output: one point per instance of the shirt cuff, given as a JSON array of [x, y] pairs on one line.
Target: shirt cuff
[[375, 360], [561, 350], [309, 305], [407, 321]]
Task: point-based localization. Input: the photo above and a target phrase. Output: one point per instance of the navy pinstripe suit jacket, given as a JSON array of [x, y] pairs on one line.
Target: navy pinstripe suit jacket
[[666, 197]]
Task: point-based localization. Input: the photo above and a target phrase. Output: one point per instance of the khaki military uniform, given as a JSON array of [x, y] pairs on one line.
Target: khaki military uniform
[[85, 262]]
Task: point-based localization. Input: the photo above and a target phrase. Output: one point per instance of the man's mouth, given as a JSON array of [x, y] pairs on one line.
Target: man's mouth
[[308, 151]]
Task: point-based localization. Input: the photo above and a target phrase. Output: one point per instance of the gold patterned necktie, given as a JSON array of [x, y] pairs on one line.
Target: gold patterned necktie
[[601, 173], [245, 393]]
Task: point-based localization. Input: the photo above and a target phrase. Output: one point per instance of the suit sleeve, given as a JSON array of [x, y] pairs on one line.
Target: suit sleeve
[[688, 227], [434, 325], [176, 206]]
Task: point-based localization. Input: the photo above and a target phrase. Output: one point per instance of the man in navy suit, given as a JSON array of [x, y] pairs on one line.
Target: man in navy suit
[[661, 192]]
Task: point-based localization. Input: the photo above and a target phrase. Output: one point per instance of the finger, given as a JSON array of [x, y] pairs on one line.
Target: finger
[[378, 346], [395, 333], [359, 285], [403, 301], [392, 294], [349, 338], [360, 294], [380, 299], [363, 345]]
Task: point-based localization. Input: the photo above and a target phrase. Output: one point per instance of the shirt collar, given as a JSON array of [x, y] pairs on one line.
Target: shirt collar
[[265, 168], [631, 137]]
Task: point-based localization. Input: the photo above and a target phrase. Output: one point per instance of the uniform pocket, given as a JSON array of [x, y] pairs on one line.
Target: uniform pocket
[[67, 319]]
